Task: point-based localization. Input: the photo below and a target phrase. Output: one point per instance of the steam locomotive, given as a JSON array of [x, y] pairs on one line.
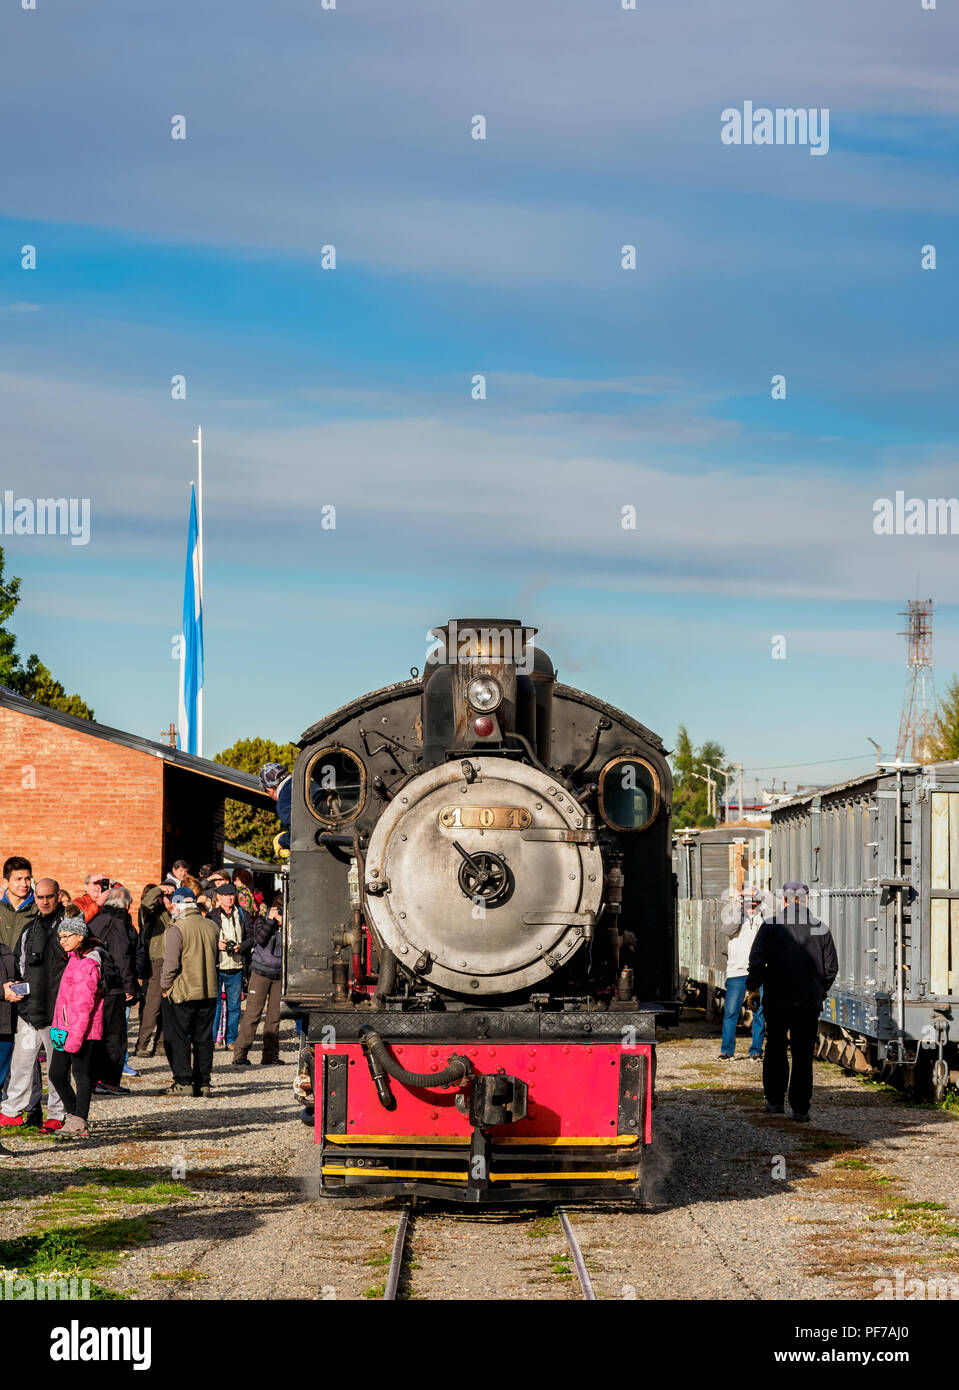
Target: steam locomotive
[[481, 930]]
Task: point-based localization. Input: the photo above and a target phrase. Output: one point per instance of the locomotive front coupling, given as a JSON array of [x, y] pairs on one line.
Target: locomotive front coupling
[[487, 1098]]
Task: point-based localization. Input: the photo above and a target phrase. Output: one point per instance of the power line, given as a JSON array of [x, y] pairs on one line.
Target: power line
[[819, 762]]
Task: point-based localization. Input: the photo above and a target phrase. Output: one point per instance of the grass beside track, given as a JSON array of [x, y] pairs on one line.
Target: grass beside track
[[82, 1222]]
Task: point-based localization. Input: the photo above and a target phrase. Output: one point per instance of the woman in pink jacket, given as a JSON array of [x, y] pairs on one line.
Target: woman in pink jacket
[[77, 1024]]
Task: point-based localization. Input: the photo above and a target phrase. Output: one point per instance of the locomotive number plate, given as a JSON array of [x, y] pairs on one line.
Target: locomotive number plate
[[485, 818]]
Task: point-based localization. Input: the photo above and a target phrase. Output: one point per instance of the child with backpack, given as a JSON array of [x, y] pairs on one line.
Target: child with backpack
[[78, 1021]]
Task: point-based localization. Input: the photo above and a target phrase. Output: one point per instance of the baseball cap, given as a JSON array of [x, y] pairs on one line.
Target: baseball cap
[[795, 887], [183, 895]]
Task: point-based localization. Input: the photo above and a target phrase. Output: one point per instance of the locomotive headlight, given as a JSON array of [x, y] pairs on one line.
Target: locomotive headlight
[[484, 693]]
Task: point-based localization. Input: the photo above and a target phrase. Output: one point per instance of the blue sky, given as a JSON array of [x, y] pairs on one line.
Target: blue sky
[[605, 388]]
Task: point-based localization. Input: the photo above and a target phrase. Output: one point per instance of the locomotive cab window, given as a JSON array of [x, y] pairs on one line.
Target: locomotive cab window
[[335, 785], [628, 794]]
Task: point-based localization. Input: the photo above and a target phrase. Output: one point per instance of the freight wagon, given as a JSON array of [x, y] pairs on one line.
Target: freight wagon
[[880, 854]]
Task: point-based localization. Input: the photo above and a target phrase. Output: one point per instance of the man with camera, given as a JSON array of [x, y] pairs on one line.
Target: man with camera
[[741, 920], [91, 901], [235, 945]]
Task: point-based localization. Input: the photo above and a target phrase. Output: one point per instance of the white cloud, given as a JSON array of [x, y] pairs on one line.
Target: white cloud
[[306, 127], [538, 492]]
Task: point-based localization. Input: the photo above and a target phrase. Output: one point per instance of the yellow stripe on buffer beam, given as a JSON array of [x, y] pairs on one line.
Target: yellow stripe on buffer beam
[[616, 1175]]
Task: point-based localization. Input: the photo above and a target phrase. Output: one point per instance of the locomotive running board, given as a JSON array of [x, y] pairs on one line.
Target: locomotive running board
[[330, 1027]]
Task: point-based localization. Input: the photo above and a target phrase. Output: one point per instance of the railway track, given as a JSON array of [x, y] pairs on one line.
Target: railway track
[[401, 1240]]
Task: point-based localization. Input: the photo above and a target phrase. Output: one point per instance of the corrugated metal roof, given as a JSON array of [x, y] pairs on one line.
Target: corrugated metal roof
[[886, 770], [189, 762], [239, 857]]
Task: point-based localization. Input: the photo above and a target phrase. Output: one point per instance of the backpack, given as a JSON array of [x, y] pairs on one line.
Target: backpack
[[111, 981]]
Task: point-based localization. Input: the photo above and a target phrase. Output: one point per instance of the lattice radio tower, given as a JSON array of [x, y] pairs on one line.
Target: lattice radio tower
[[917, 721]]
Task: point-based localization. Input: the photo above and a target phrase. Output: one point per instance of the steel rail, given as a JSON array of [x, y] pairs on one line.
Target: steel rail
[[396, 1258], [585, 1283], [399, 1244]]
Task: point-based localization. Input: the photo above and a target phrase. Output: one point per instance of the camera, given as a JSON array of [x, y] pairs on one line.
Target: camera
[[233, 948]]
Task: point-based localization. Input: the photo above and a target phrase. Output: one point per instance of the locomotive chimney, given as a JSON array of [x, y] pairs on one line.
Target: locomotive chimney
[[477, 686]]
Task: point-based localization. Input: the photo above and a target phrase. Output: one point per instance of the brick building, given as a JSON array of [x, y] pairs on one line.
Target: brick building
[[77, 796]]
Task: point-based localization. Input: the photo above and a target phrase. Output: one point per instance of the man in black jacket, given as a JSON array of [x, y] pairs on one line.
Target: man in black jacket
[[39, 962], [794, 960]]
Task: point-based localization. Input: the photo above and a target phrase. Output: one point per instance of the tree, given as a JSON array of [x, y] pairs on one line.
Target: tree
[[36, 683], [690, 795], [9, 598], [32, 681], [246, 828], [944, 744]]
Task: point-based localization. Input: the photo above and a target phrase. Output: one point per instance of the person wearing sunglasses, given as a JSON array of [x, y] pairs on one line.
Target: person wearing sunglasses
[[91, 901]]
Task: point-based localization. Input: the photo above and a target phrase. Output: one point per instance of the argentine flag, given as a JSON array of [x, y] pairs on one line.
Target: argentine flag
[[191, 642]]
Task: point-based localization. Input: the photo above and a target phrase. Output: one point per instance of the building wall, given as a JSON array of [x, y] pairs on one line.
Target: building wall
[[71, 803]]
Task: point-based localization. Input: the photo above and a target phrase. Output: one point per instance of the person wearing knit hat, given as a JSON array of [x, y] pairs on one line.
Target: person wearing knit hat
[[74, 923], [77, 1023]]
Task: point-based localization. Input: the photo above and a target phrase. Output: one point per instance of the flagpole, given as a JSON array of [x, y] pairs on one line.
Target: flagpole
[[199, 491]]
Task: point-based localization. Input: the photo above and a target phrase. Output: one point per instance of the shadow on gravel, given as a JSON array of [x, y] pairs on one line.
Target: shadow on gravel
[[26, 1183], [200, 1121], [718, 1145]]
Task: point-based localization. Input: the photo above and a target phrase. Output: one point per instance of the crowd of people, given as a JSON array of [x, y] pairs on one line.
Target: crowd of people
[[75, 970]]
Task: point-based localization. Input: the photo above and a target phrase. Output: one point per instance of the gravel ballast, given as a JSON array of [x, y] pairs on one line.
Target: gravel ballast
[[739, 1205]]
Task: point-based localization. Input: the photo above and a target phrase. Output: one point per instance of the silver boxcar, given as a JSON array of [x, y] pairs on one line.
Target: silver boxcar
[[881, 857]]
